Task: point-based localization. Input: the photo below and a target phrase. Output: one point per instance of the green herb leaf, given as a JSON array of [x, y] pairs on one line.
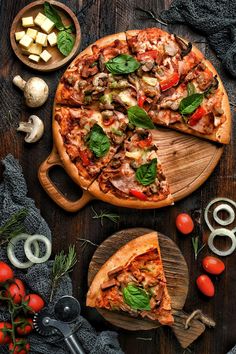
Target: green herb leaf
[[105, 214], [13, 226], [138, 117], [53, 15], [99, 143], [191, 88], [136, 298], [190, 103], [146, 174], [122, 64], [65, 42]]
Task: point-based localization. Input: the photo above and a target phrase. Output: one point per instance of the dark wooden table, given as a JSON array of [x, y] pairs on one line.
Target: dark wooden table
[[99, 18]]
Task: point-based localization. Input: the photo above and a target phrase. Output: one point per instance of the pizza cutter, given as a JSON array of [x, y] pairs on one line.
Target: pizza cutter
[[66, 311]]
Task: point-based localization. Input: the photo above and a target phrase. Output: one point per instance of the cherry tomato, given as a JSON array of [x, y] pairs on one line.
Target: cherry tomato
[[213, 265], [23, 347], [4, 335], [25, 325], [205, 285], [184, 223], [35, 302], [6, 272], [16, 291]]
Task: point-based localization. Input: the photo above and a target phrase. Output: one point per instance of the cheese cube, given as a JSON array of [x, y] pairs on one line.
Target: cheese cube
[[39, 19], [45, 55], [32, 33], [41, 38], [47, 25], [35, 48], [33, 57], [19, 35], [26, 41], [27, 21], [52, 39]]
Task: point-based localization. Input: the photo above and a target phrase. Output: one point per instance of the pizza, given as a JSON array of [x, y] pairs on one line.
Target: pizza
[[132, 281], [111, 100]]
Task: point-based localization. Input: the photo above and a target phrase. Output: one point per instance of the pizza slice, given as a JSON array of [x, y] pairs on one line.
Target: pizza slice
[[87, 140], [133, 281], [134, 177]]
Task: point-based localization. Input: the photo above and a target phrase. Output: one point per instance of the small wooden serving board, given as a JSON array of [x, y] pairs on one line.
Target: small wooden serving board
[[176, 272]]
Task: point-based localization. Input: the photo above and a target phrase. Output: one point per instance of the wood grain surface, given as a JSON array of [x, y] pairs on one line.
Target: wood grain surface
[[97, 19]]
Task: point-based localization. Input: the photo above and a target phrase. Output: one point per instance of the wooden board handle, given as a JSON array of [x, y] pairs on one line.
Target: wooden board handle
[[50, 188]]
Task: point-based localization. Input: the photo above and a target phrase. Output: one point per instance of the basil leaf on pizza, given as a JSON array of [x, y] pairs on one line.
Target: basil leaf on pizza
[[122, 64], [190, 103], [98, 141], [136, 298], [138, 117], [146, 174]]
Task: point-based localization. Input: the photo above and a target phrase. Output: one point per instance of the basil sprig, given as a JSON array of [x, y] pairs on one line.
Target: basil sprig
[[65, 42], [51, 13], [98, 141], [122, 64], [146, 174], [136, 298], [138, 117], [190, 103]]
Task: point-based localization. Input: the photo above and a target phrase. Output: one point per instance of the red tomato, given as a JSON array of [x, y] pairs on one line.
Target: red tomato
[[213, 265], [168, 83], [4, 335], [205, 285], [35, 302], [84, 157], [16, 291], [6, 272], [23, 347], [184, 223], [141, 100], [138, 194], [150, 54], [25, 326], [196, 116], [146, 142]]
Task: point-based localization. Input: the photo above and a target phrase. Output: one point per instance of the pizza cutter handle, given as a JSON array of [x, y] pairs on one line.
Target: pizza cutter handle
[[51, 189]]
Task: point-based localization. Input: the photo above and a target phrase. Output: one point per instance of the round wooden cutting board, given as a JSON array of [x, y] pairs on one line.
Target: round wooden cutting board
[[175, 267]]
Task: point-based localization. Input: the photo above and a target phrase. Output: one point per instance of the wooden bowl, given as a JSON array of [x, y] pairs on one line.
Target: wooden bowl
[[57, 60]]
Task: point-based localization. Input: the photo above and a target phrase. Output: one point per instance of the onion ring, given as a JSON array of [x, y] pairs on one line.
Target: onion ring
[[222, 232], [11, 254], [230, 211], [27, 247], [215, 215]]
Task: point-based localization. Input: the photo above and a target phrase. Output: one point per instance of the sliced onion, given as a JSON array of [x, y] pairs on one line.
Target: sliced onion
[[225, 233], [229, 210], [27, 247], [223, 207], [11, 251]]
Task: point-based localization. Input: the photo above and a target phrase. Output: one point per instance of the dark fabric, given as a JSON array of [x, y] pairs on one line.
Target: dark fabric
[[13, 197], [216, 19]]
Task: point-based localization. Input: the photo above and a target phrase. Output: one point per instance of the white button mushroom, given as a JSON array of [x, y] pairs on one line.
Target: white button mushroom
[[34, 129], [35, 90]]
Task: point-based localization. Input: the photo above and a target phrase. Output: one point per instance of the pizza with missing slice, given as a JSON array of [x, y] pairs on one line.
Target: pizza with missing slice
[[132, 281], [113, 97]]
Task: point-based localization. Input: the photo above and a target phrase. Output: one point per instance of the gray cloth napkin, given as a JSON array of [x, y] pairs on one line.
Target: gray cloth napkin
[[213, 18], [13, 197]]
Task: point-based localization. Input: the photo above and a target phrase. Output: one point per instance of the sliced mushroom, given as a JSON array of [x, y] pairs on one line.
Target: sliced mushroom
[[35, 90], [185, 47], [34, 129]]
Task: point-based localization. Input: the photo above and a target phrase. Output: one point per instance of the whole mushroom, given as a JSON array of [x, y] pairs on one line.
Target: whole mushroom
[[35, 90], [34, 129]]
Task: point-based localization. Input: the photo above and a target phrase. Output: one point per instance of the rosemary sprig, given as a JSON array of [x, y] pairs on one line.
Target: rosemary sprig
[[105, 214], [13, 226], [196, 246], [63, 264]]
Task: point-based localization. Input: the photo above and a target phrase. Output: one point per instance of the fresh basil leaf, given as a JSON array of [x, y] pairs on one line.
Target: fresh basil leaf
[[65, 42], [136, 298], [190, 103], [191, 89], [53, 15], [98, 141], [138, 117], [146, 174], [122, 64]]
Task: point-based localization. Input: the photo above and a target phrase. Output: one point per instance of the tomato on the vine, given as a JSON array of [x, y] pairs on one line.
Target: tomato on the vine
[[6, 273], [22, 347], [205, 285], [4, 333], [35, 302], [25, 325], [184, 223], [16, 291], [213, 265]]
